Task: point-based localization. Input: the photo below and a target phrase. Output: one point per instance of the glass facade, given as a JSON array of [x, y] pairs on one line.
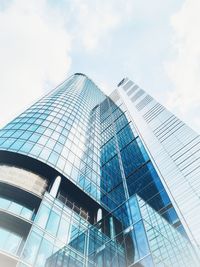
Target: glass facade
[[78, 187], [174, 149]]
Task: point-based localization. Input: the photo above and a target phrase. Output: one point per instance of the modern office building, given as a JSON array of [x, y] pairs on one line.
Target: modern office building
[[88, 180]]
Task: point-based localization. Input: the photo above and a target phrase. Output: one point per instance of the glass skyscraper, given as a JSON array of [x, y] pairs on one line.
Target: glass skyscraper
[[87, 180]]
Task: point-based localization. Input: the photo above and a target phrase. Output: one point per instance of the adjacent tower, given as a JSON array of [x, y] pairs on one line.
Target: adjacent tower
[[83, 182], [175, 150]]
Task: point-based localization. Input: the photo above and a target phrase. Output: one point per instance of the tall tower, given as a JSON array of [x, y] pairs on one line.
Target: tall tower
[[175, 150], [80, 186]]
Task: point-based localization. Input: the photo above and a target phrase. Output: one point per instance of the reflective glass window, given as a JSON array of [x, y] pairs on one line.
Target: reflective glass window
[[125, 136], [53, 158], [44, 252], [15, 208], [132, 157], [12, 243], [3, 237], [27, 147], [142, 243], [63, 230], [26, 213], [31, 248], [131, 247], [4, 203], [42, 216], [52, 225], [134, 209]]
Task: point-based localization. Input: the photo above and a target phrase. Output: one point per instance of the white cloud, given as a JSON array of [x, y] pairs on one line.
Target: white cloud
[[37, 39], [184, 68], [97, 18], [34, 51], [36, 42]]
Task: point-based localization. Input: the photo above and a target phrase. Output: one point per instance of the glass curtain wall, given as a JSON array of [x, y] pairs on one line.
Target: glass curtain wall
[[90, 142]]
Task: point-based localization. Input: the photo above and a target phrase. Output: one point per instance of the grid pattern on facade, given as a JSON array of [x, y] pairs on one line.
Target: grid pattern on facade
[[91, 141]]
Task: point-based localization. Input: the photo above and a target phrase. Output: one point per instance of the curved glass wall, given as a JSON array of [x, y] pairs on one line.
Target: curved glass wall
[[55, 131], [16, 208]]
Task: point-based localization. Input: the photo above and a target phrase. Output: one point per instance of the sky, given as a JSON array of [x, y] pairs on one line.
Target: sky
[[154, 43]]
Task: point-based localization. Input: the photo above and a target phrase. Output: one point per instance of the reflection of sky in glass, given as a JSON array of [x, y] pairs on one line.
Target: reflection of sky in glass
[[92, 142]]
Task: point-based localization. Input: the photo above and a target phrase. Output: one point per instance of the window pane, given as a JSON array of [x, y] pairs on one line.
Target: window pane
[[15, 208], [3, 237], [131, 247], [12, 243], [141, 239], [45, 252], [52, 225], [26, 213], [134, 210], [4, 203], [32, 246], [63, 230], [42, 216]]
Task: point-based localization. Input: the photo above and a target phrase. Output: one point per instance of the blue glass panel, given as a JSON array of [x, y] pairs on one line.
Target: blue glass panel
[[78, 243], [159, 201], [26, 213], [36, 150], [12, 243], [17, 133], [15, 208], [53, 158], [132, 157], [108, 150], [8, 143], [117, 194], [63, 231], [125, 136], [42, 216], [111, 174], [4, 203], [52, 225], [44, 252], [132, 253], [122, 215], [31, 248], [27, 147], [141, 238], [120, 123], [3, 237], [26, 135], [34, 138], [133, 208], [143, 150]]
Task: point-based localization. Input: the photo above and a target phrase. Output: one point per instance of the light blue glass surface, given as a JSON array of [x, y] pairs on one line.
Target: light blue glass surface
[[83, 136]]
